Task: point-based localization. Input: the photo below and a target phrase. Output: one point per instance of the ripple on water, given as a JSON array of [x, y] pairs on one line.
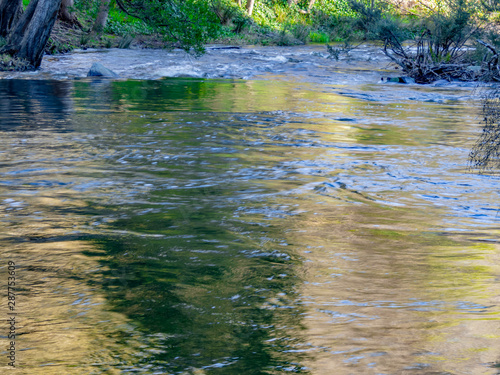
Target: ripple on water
[[198, 226]]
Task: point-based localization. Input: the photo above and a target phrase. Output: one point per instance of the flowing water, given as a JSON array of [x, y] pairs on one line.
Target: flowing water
[[191, 226]]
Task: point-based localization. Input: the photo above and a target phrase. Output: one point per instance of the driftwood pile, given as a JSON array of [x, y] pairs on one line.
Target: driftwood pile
[[427, 64]]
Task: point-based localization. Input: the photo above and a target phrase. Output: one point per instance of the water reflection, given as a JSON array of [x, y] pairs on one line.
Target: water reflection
[[25, 104], [190, 226]]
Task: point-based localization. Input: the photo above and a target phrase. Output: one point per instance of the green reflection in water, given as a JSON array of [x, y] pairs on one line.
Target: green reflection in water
[[202, 282], [188, 269], [247, 227]]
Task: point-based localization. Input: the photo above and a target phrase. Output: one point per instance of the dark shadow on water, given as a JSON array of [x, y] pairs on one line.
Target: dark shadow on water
[[34, 104]]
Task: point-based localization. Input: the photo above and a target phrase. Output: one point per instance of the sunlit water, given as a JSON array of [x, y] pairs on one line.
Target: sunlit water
[[246, 227]]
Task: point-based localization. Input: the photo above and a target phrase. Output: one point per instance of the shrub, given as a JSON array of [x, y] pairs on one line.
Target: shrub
[[186, 23], [319, 37], [440, 52], [9, 63], [229, 13], [485, 154], [301, 32]]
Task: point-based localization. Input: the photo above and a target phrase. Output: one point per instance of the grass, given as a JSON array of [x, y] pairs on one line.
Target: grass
[[9, 64]]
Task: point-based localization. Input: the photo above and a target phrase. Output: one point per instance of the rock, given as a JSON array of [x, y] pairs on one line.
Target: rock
[[99, 70], [184, 71], [474, 69], [224, 47], [407, 80], [440, 83], [391, 79]]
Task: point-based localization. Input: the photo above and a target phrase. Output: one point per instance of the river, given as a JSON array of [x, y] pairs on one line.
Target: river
[[267, 223]]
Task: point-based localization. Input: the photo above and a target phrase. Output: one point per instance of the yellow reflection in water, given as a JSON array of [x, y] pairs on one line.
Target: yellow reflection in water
[[387, 304]]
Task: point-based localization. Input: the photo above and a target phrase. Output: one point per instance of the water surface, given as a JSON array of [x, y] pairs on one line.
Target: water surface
[[190, 226]]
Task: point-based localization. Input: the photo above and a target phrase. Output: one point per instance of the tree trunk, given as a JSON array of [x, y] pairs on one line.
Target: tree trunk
[[30, 35], [290, 2], [238, 2], [250, 6], [10, 12], [65, 13], [309, 7], [102, 17]]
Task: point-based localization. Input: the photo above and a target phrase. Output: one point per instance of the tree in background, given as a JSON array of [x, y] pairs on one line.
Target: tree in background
[[66, 13], [250, 4], [102, 16], [187, 23]]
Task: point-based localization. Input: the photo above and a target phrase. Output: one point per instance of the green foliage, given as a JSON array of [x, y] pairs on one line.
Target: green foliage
[[284, 38], [121, 24], [125, 42], [440, 42], [277, 14], [333, 9], [227, 11], [490, 5], [264, 14], [448, 31], [230, 14], [87, 9], [191, 23], [375, 22], [301, 32], [367, 15], [493, 37], [387, 28], [55, 46], [280, 23], [186, 23], [319, 37]]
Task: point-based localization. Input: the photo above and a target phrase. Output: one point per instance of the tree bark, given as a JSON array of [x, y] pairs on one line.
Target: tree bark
[[102, 17], [10, 12], [65, 13], [250, 6], [29, 36], [309, 7]]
